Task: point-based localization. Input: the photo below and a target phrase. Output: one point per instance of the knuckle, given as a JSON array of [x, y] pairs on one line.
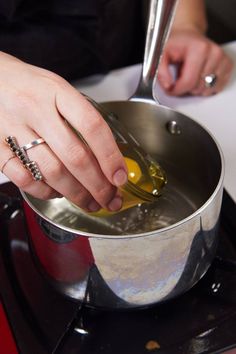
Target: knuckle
[[217, 52], [47, 193], [94, 125], [188, 83], [203, 47], [53, 170], [55, 82], [113, 161], [51, 78], [104, 194], [23, 179], [81, 198], [78, 157], [112, 156], [25, 100]]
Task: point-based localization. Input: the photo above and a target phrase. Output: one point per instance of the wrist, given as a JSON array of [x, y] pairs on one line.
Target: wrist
[[191, 15], [199, 28]]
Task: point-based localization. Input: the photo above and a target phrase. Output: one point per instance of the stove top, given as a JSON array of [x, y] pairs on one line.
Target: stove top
[[43, 321]]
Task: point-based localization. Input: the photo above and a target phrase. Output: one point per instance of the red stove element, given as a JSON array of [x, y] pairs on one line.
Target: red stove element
[[7, 342]]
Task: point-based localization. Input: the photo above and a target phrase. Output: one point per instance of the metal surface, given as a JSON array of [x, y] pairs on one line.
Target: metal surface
[[42, 319], [160, 19], [146, 254], [21, 154], [33, 143], [136, 269], [210, 80]]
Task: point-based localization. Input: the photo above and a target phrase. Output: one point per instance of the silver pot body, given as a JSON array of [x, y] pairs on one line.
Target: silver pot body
[[148, 254], [108, 262]]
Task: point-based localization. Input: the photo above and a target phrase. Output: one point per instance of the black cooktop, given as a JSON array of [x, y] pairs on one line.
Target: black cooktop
[[203, 320]]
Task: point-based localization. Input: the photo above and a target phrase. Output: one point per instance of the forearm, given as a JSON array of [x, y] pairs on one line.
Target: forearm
[[190, 14]]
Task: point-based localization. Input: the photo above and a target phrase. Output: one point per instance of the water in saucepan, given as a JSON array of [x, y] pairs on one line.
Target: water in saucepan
[[172, 206]]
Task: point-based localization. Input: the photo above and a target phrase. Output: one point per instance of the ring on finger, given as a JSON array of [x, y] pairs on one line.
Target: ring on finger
[[33, 143], [21, 153], [5, 163], [210, 80]]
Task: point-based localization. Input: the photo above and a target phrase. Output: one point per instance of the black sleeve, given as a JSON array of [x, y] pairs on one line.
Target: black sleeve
[[73, 38]]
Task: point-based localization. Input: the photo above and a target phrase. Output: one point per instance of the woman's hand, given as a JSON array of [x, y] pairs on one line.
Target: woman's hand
[[35, 103], [195, 57]]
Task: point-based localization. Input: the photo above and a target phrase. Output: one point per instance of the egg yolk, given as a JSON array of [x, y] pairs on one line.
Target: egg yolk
[[134, 170]]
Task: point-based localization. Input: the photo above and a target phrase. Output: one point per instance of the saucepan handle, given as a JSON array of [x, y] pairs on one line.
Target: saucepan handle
[[161, 14]]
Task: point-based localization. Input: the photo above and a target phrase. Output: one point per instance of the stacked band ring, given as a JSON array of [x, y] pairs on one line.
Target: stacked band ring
[[20, 152]]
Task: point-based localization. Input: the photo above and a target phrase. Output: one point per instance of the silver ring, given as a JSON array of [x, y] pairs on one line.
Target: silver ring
[[33, 143], [210, 80], [3, 166], [20, 152]]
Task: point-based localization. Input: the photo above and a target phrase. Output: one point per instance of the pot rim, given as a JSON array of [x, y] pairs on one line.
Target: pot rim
[[144, 234], [154, 232]]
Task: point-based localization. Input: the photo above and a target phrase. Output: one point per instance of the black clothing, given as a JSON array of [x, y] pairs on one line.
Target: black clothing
[[73, 38]]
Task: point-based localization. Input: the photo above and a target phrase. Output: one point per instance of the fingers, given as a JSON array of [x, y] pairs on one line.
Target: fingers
[[85, 119], [57, 180], [189, 72], [196, 57], [68, 166], [164, 75], [221, 66], [16, 172], [36, 106], [56, 175], [72, 169]]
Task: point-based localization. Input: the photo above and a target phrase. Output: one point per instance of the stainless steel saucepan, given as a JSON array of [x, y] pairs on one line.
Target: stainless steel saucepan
[[152, 252]]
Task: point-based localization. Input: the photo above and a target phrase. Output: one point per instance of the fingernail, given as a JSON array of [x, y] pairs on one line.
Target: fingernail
[[120, 177], [93, 206], [115, 204]]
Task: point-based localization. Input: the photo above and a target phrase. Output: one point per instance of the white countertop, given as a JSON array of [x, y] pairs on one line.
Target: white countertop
[[217, 113]]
